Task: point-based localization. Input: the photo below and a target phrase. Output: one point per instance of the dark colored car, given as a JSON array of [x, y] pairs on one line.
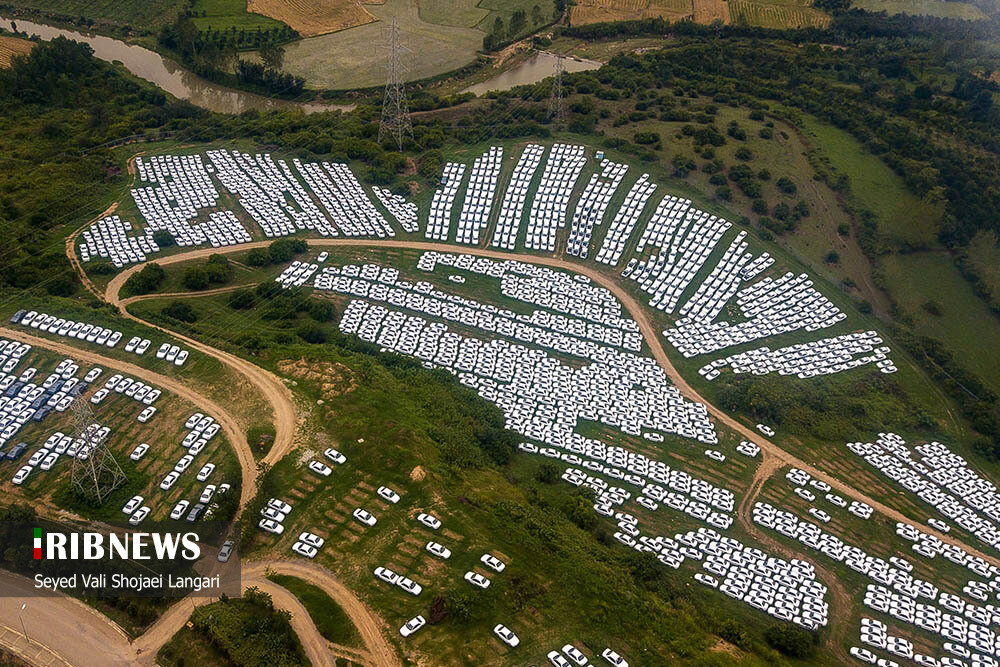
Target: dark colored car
[[18, 316], [16, 451], [196, 512]]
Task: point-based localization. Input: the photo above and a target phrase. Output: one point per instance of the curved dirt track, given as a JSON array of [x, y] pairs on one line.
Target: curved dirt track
[[634, 308], [248, 485], [378, 651]]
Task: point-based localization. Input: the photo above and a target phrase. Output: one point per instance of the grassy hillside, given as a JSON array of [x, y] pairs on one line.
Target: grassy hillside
[[142, 15]]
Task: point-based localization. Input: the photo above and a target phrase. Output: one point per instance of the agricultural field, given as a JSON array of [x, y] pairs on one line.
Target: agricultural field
[[310, 18], [482, 14], [135, 14], [352, 58], [776, 15], [11, 47], [939, 8], [223, 15], [599, 11]]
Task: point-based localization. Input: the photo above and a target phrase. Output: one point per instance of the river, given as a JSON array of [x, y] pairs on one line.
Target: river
[[167, 74], [184, 85], [535, 68]]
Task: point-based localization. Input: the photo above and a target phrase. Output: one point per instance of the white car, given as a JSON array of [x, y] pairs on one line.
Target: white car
[[139, 452], [207, 494], [322, 257], [272, 514], [50, 460], [506, 635], [303, 549], [139, 516], [169, 480], [225, 552], [410, 586], [613, 658], [575, 655], [146, 414], [151, 397], [22, 475], [365, 517], [193, 420], [162, 352], [280, 505], [493, 562], [335, 456], [412, 626], [430, 521], [557, 659], [143, 346], [477, 580], [205, 472], [386, 575], [271, 526], [132, 343], [439, 550], [320, 468], [179, 509], [312, 539], [388, 494], [181, 358], [132, 505], [183, 463]]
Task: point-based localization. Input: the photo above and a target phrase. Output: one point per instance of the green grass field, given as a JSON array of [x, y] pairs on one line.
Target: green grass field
[[984, 253], [226, 14], [137, 14], [330, 619], [901, 214], [965, 324], [939, 8]]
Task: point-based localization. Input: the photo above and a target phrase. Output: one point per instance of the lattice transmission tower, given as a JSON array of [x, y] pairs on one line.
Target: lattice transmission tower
[[557, 104], [395, 110], [97, 475]]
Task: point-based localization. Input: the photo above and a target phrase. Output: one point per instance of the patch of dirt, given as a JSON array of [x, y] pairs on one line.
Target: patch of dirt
[[418, 474], [331, 378], [722, 646], [314, 17]]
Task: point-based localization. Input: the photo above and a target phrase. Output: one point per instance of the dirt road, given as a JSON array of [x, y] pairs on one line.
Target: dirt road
[[378, 651], [634, 308], [69, 630]]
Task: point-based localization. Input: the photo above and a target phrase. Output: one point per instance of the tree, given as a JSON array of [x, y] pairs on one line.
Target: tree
[[196, 277], [791, 641], [273, 56], [163, 238], [536, 15]]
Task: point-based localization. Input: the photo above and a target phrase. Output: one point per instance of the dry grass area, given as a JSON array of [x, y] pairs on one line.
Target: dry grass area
[[12, 46], [313, 17]]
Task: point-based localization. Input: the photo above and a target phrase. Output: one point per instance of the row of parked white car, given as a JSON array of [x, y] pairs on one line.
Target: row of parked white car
[[942, 479], [479, 194], [439, 218], [550, 204], [65, 327]]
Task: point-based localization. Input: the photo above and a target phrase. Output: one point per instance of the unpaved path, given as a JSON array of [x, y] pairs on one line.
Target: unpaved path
[[634, 308], [378, 651]]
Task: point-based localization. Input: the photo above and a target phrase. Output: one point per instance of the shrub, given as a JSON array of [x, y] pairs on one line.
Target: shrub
[[786, 185], [744, 154], [241, 299], [791, 641], [725, 193], [312, 333], [646, 138], [196, 277], [146, 281], [163, 238], [179, 310], [832, 257], [759, 206]]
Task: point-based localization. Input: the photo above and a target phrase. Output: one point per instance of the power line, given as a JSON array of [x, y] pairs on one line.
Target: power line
[[557, 104], [395, 121]]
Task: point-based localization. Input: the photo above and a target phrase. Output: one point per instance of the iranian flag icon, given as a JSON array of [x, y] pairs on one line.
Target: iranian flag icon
[[38, 543]]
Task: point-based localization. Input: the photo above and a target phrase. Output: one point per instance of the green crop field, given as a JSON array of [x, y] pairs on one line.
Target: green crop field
[[776, 15], [137, 14], [939, 8], [226, 14]]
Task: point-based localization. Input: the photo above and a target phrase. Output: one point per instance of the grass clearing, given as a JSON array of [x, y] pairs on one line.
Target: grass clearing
[[313, 17], [331, 621], [901, 214], [971, 331], [984, 254], [945, 9], [11, 47]]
